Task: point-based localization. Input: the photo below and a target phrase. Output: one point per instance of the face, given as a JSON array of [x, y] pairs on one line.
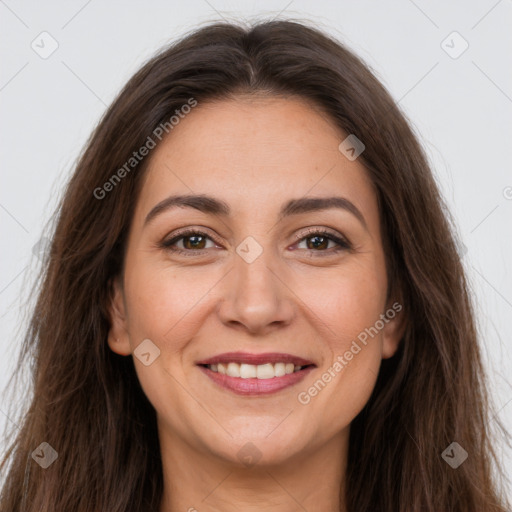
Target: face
[[261, 271]]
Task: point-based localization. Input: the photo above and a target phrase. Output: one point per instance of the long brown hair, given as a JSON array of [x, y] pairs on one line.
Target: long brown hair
[[86, 401]]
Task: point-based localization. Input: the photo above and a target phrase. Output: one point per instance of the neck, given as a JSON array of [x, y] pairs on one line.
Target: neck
[[196, 481]]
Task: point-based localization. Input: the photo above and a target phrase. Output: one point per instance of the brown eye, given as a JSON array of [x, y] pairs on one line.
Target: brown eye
[[194, 242], [318, 241], [189, 241]]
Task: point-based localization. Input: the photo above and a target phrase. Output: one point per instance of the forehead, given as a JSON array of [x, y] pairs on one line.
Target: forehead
[[254, 152]]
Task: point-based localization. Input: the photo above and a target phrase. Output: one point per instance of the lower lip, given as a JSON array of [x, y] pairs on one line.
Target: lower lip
[[256, 386]]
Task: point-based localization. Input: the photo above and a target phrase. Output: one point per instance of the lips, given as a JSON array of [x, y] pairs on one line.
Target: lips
[[255, 374], [256, 359]]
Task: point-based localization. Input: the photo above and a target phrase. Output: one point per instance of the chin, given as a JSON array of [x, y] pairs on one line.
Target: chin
[[265, 447]]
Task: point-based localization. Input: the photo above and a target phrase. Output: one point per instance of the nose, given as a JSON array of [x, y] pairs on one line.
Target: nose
[[256, 297]]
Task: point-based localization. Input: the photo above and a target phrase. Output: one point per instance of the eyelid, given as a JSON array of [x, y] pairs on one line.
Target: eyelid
[[343, 244], [318, 230], [182, 233]]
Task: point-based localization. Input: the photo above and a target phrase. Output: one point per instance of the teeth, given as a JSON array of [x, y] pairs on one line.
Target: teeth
[[233, 370], [280, 369], [265, 371], [248, 371], [251, 371]]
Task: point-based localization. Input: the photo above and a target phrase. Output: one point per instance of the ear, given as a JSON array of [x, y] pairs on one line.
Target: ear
[[118, 339], [394, 329]]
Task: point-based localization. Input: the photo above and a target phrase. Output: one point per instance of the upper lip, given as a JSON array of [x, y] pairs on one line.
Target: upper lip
[[256, 359]]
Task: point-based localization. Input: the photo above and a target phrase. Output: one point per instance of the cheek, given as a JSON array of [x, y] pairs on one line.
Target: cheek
[[348, 306], [347, 303], [164, 303], [162, 308]]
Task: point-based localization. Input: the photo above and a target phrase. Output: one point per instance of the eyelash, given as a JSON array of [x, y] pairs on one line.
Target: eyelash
[[343, 244]]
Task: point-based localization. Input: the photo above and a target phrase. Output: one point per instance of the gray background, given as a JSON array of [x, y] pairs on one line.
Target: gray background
[[460, 107]]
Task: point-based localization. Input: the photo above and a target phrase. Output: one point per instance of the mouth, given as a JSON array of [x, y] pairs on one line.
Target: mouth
[[255, 374]]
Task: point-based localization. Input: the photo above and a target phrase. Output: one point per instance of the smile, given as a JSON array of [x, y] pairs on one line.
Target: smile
[[251, 371], [256, 374]]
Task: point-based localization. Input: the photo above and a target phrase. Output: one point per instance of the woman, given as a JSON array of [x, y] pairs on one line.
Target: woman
[[253, 300]]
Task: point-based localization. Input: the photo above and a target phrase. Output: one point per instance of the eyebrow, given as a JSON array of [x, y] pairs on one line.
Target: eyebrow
[[211, 205]]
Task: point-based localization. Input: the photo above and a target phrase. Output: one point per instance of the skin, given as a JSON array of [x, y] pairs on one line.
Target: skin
[[255, 153]]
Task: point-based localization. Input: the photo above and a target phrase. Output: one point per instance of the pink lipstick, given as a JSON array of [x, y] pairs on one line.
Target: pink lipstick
[[255, 374]]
